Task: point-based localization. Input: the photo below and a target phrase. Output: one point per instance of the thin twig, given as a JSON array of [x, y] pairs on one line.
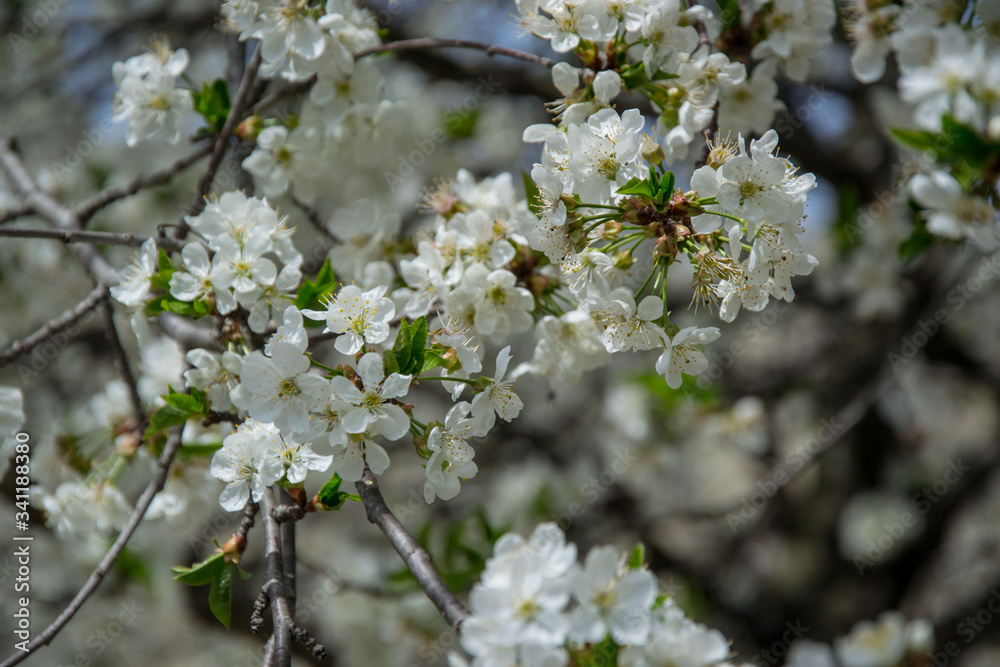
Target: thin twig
[[314, 217], [274, 584], [48, 208], [96, 238], [417, 560], [155, 486], [222, 141], [442, 43], [14, 214], [121, 358], [88, 207], [54, 326]]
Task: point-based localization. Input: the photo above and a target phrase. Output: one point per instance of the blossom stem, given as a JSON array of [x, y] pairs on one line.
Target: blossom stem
[[646, 284], [726, 215], [317, 364]]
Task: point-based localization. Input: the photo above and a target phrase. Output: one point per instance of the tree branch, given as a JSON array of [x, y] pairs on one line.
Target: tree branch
[[88, 207], [123, 365], [54, 326], [442, 43], [48, 208], [222, 141], [188, 334], [274, 585], [96, 238], [155, 486], [416, 559], [288, 560], [14, 214]]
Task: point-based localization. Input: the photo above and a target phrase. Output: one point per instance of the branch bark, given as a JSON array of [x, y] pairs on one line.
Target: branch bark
[[416, 559], [97, 576], [95, 238], [54, 326], [219, 150], [274, 585], [440, 43]]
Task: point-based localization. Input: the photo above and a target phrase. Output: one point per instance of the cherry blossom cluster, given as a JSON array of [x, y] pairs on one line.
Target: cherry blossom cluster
[[147, 96], [535, 605], [242, 233], [611, 219], [948, 59], [675, 54], [298, 38]]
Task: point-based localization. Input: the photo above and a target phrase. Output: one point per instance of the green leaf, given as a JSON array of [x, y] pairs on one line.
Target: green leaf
[[964, 143], [417, 339], [729, 13], [531, 193], [920, 140], [432, 359], [311, 292], [638, 556], [667, 184], [243, 574], [604, 654], [330, 496], [390, 363], [184, 402], [461, 123], [220, 595], [401, 347], [637, 187], [212, 102], [201, 573], [166, 417], [197, 449]]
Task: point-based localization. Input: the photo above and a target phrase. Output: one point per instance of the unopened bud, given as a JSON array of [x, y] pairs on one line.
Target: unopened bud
[[234, 548], [249, 129], [612, 229], [624, 260]]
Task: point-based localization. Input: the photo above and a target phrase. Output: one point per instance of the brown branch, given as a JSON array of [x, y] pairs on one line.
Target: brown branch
[[282, 93], [274, 584], [314, 218], [417, 560], [88, 207], [288, 560], [14, 214], [222, 141], [96, 238], [48, 208], [441, 43], [54, 326], [155, 486], [121, 359], [188, 334]]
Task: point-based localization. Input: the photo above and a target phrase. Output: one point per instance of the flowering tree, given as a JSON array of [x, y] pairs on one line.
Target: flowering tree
[[290, 335]]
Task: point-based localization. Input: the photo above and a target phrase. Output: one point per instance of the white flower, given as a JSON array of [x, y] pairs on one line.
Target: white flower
[[372, 410], [872, 644], [605, 153], [505, 308], [292, 460], [361, 317], [680, 354], [567, 347], [239, 462], [451, 460], [625, 325], [79, 508], [284, 158], [953, 213], [351, 451], [678, 642], [611, 601], [498, 398], [568, 23], [146, 96], [133, 283], [280, 388], [196, 282]]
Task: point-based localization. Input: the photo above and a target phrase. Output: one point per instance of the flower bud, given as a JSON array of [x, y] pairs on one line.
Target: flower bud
[[234, 548], [249, 128]]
